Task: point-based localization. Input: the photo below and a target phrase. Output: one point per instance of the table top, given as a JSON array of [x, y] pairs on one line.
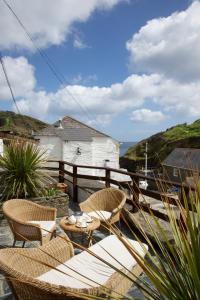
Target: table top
[[73, 228]]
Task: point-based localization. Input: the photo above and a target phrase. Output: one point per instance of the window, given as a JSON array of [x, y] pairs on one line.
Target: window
[[175, 172]]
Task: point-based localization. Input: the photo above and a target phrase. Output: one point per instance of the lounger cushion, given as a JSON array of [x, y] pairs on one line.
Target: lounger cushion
[[92, 271], [46, 226], [100, 214]]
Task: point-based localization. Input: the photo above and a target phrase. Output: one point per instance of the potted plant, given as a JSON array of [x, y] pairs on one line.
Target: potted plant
[[55, 198], [22, 174]]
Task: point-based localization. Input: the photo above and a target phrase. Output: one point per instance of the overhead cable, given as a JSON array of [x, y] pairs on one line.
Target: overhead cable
[[11, 91], [8, 82], [59, 76]]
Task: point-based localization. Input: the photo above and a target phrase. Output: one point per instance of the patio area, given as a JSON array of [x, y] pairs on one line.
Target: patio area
[[6, 240]]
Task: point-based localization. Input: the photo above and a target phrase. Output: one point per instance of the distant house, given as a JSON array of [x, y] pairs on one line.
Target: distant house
[[182, 164], [75, 142], [1, 147]]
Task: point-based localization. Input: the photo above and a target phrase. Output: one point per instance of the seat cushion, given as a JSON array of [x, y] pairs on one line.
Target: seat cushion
[[46, 226], [86, 271], [100, 214]]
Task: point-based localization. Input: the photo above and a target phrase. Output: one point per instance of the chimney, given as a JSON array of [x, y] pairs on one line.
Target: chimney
[[60, 124]]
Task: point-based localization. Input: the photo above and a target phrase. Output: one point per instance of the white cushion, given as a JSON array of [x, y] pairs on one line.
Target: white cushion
[[100, 214], [46, 226], [92, 271]]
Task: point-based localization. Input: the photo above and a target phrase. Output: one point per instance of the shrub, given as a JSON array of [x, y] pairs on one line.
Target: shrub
[[21, 174]]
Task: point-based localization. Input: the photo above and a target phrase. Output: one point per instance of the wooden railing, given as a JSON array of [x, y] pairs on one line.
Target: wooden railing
[[131, 185]]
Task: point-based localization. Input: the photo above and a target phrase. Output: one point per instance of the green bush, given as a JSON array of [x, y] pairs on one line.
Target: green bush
[[21, 173]]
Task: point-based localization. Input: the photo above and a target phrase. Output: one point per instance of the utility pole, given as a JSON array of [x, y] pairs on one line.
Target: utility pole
[[146, 166]]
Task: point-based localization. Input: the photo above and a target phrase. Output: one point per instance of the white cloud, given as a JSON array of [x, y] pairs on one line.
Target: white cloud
[[147, 116], [78, 43], [48, 21], [102, 119], [21, 77], [102, 103], [96, 102], [169, 46], [83, 80]]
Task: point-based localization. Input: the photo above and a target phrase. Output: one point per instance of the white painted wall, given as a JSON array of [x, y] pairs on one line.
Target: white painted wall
[[86, 157], [105, 149], [1, 147], [93, 153], [53, 147]]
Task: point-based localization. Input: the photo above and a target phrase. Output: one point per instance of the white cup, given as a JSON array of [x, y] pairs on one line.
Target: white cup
[[71, 220], [79, 219], [87, 218], [81, 223]]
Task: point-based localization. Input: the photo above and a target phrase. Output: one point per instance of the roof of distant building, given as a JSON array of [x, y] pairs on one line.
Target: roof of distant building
[[70, 129], [183, 158]]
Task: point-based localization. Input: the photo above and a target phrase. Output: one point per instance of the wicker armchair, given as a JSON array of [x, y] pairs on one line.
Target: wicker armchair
[[105, 205], [29, 221], [27, 271]]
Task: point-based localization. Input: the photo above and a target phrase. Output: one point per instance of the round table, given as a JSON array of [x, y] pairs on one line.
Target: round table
[[72, 228]]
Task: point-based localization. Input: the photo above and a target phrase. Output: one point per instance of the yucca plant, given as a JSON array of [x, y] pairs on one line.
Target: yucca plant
[[20, 171], [173, 269]]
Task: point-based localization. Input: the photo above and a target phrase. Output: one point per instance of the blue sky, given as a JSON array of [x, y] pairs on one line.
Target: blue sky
[[131, 68]]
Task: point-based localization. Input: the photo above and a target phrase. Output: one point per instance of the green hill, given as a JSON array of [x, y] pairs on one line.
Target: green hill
[[19, 124], [162, 143]]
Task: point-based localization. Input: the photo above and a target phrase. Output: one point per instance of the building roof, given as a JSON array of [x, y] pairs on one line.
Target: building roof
[[72, 130], [183, 158]]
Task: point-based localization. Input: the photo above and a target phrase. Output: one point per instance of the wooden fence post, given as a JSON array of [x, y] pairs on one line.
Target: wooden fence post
[[107, 178], [75, 186], [61, 172], [135, 192]]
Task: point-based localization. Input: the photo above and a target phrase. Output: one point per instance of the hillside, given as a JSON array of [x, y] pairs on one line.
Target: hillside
[[162, 143], [19, 124]]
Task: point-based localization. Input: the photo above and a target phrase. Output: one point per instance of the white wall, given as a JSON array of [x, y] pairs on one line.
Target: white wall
[[92, 153], [1, 147], [53, 147], [85, 158], [105, 149]]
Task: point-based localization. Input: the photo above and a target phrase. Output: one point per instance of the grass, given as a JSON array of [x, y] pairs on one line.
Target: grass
[[19, 124], [162, 143], [183, 131]]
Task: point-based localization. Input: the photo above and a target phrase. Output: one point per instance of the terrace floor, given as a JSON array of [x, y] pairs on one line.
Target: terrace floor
[[6, 240]]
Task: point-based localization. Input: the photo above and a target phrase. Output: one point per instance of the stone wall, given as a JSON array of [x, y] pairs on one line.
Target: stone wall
[[85, 157], [60, 202], [52, 145], [105, 154]]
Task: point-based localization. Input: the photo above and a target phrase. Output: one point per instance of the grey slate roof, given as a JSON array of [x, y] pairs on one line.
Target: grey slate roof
[[73, 130], [183, 158]]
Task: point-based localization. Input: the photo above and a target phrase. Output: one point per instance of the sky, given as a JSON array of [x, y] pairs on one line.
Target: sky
[[129, 68]]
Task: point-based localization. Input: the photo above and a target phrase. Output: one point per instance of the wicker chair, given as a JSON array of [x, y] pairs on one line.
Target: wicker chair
[[29, 221], [105, 205], [27, 282]]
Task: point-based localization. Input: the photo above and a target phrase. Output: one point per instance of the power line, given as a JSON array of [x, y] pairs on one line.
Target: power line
[[8, 83], [11, 91], [59, 76]]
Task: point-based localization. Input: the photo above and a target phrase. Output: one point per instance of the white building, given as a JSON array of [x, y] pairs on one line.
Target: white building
[[1, 147], [75, 142]]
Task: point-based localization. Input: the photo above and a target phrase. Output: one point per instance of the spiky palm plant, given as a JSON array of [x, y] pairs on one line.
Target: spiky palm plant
[[20, 171], [173, 269]]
